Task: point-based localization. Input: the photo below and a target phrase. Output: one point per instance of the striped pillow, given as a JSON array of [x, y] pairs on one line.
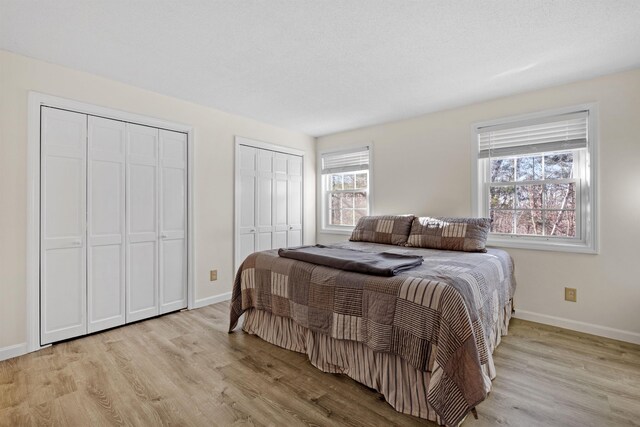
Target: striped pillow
[[389, 229], [450, 234]]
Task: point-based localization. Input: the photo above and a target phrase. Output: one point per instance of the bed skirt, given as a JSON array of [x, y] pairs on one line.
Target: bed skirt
[[404, 387]]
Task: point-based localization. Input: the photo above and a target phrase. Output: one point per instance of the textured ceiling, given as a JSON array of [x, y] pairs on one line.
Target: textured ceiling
[[326, 66]]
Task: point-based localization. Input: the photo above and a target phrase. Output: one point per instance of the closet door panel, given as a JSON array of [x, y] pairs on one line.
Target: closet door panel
[[142, 143], [264, 201], [142, 198], [106, 224], [280, 239], [174, 200], [280, 163], [173, 221], [281, 195], [246, 246], [63, 290], [106, 305], [247, 164], [265, 206], [247, 203], [280, 202], [265, 190], [294, 165], [106, 193], [174, 274], [294, 201], [246, 228], [142, 298], [142, 223], [62, 225], [294, 238], [63, 197], [264, 241]]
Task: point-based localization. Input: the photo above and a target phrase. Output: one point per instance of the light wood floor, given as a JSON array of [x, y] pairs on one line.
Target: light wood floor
[[184, 369]]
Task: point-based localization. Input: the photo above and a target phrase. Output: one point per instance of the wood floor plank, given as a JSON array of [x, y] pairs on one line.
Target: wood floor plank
[[18, 415], [185, 369], [74, 410]]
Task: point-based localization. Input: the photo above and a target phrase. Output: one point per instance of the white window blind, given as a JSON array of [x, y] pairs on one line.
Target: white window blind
[[563, 132], [345, 161]]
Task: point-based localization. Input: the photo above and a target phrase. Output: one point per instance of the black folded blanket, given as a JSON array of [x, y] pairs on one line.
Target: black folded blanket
[[379, 264]]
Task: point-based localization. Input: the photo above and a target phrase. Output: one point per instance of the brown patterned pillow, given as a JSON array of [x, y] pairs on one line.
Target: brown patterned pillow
[[389, 229], [451, 234]]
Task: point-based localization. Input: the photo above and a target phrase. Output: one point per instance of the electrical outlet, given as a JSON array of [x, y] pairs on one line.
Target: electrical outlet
[[213, 275], [570, 294]]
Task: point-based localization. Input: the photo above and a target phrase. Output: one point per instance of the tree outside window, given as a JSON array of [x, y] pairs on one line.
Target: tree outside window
[[348, 197]]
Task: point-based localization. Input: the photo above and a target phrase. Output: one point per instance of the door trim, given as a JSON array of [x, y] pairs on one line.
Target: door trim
[[241, 140], [35, 101]]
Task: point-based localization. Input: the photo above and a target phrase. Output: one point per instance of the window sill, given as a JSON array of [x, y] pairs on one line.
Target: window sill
[[541, 245], [341, 231]]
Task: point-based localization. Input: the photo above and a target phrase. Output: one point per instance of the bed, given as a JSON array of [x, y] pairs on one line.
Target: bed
[[423, 338]]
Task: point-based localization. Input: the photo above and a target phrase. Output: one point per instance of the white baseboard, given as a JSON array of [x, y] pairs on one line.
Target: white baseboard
[[212, 300], [575, 325], [13, 351]]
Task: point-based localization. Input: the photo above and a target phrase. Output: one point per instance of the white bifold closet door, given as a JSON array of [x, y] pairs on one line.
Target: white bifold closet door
[[264, 200], [294, 201], [63, 279], [246, 226], [113, 223], [173, 221], [142, 222], [281, 196], [269, 191], [156, 221], [287, 200], [105, 224]]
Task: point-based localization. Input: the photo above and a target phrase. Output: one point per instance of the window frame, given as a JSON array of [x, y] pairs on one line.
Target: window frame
[[586, 195], [324, 193], [329, 192]]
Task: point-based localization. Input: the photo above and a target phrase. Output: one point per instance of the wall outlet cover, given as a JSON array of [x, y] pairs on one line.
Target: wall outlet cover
[[570, 294]]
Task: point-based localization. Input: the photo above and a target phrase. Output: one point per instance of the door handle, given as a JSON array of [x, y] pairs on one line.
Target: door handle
[[253, 230], [291, 227], [76, 243], [163, 236]]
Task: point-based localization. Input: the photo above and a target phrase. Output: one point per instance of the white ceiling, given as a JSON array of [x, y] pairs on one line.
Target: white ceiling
[[326, 66]]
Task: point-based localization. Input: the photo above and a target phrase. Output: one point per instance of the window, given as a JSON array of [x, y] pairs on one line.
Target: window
[[535, 181], [345, 188]]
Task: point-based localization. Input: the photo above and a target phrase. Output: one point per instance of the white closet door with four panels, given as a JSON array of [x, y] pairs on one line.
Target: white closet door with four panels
[[142, 222], [173, 221], [269, 196], [113, 231], [105, 224], [63, 304]]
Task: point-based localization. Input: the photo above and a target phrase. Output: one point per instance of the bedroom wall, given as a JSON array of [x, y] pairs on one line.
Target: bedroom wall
[[213, 172], [422, 166]]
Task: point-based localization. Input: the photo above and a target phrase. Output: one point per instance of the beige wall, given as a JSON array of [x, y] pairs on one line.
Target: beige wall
[[213, 172], [422, 166]]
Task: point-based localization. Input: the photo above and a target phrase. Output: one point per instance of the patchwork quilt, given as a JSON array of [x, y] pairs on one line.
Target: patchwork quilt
[[444, 317]]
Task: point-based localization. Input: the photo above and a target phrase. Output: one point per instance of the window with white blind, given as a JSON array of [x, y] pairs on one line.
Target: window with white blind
[[345, 188], [536, 180]]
